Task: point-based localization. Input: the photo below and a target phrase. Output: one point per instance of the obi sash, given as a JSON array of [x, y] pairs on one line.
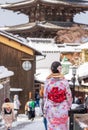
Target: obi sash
[[57, 95]]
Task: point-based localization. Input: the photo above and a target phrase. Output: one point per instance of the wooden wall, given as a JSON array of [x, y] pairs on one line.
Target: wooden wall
[[13, 59], [5, 91]]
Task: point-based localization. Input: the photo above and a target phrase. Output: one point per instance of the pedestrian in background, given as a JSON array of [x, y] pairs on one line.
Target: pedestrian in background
[[79, 100], [86, 102], [42, 105], [17, 105], [57, 99], [41, 93], [37, 98], [8, 114], [30, 109]]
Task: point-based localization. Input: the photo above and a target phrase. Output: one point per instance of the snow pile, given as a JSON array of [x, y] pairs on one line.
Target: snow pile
[[4, 72], [82, 125], [83, 70], [74, 106], [1, 86]]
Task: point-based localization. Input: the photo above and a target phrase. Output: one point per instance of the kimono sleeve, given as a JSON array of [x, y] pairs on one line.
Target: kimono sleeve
[[68, 95], [45, 96]]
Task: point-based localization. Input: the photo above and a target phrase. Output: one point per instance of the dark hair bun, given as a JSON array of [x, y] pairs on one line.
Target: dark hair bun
[[7, 100], [54, 66]]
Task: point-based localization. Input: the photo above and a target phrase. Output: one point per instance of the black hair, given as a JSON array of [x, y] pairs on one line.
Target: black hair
[[54, 66], [7, 100]]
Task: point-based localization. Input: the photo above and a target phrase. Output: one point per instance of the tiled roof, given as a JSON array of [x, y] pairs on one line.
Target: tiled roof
[[19, 40], [46, 25], [73, 3]]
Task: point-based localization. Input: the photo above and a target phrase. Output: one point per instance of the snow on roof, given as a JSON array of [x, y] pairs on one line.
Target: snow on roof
[[42, 74], [83, 46], [42, 43], [11, 36], [74, 106], [69, 75], [83, 125], [4, 72], [69, 49], [84, 84], [83, 70], [44, 46], [21, 40], [1, 86]]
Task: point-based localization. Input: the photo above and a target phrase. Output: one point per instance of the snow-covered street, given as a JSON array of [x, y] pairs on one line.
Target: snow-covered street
[[23, 123]]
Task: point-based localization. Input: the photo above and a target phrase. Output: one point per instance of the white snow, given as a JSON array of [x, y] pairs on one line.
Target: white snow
[[4, 72], [74, 106], [41, 46], [16, 89], [82, 125], [42, 74], [37, 123], [83, 46], [1, 86], [83, 70]]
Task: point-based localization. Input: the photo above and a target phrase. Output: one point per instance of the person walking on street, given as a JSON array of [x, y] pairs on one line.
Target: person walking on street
[[17, 105], [8, 114], [30, 109], [86, 102], [42, 105], [57, 99], [41, 93], [37, 98]]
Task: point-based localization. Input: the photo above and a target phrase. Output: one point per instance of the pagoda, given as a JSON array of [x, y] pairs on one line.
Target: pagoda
[[46, 17]]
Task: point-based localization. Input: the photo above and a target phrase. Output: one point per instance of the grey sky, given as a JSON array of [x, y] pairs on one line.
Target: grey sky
[[11, 18]]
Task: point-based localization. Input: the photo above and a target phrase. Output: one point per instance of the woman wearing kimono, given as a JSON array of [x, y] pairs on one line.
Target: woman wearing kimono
[[8, 114], [57, 99]]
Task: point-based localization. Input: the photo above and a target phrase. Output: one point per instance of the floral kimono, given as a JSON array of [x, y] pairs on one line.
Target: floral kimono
[[8, 114], [57, 102]]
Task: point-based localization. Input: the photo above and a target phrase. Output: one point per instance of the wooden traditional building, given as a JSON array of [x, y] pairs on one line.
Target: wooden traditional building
[[19, 58], [46, 17]]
